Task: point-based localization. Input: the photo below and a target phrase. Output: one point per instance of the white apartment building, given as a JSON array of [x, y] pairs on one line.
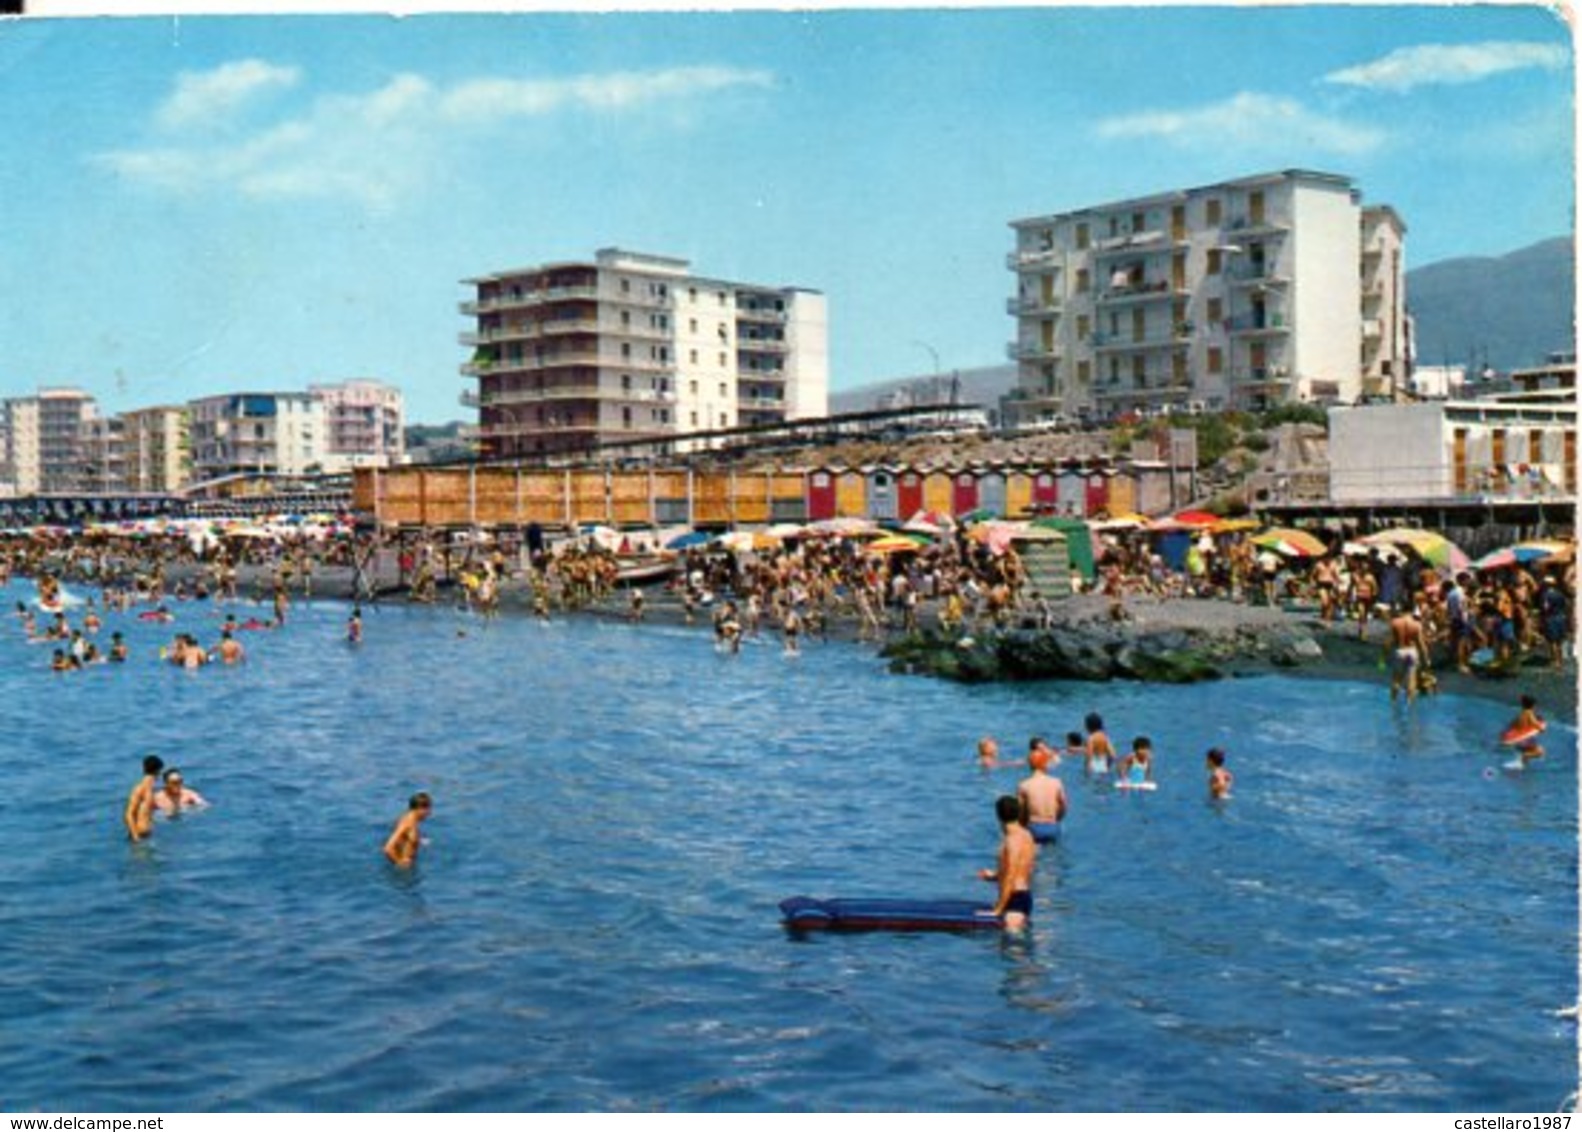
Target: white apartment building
[[46, 436], [1241, 294], [634, 347], [158, 458], [1453, 451], [364, 424], [257, 432]]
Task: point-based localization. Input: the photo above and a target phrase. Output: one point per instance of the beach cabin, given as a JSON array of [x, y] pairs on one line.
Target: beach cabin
[[1096, 491], [1152, 479], [1079, 543], [820, 495], [939, 492], [1018, 494], [991, 492], [909, 493], [1071, 489], [1123, 492], [1044, 559], [851, 491], [1046, 494], [964, 493], [882, 503]]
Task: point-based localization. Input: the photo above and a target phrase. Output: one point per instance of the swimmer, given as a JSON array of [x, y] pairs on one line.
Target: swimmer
[[354, 626], [1042, 797], [1038, 743], [404, 840], [139, 814], [1138, 767], [1075, 747], [176, 795], [1100, 752], [1013, 870], [1219, 779], [989, 753], [230, 649], [1528, 719], [118, 651]]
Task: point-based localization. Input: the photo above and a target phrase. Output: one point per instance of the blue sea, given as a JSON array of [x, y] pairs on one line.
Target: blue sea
[[1378, 920]]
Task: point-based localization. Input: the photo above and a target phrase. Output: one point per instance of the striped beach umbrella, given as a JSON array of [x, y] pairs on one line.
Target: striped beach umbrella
[[1290, 542]]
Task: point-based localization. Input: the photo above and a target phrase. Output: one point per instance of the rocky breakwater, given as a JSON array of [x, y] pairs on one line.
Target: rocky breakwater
[[1170, 642]]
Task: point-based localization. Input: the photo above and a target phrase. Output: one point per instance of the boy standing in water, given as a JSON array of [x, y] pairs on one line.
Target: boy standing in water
[[1014, 869], [406, 838], [1528, 720], [139, 814]]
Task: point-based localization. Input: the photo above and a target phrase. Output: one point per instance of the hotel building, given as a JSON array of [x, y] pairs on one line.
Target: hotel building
[[1243, 294], [634, 347]]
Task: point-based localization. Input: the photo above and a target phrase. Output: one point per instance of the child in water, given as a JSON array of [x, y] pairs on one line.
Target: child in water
[[1137, 767], [1219, 779]]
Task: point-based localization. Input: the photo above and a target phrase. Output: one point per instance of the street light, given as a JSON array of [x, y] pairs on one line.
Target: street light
[[934, 354]]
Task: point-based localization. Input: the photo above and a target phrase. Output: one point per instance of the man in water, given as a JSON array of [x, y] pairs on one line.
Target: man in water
[[1100, 753], [1407, 651], [139, 815], [1042, 797], [230, 649], [1013, 870], [405, 839], [176, 796]]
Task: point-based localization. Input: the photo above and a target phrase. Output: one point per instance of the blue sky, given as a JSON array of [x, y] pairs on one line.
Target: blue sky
[[202, 205]]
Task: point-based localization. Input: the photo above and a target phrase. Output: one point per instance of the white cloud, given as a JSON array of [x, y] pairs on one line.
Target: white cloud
[[204, 97], [1447, 64], [376, 146], [1246, 121]]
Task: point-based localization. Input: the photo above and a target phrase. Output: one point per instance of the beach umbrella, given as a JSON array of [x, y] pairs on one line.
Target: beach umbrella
[[1195, 518], [1534, 550], [1233, 526], [1290, 542], [1432, 547], [891, 544], [845, 525], [980, 515], [688, 540]]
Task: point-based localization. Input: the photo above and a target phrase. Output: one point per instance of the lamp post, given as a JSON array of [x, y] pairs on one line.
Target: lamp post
[[934, 355]]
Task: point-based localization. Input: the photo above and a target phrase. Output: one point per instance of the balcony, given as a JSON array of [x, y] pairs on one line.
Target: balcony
[[1255, 276], [585, 391], [528, 299], [1035, 260], [1265, 225], [564, 358], [1254, 326], [469, 399], [762, 345], [1156, 340], [1138, 243], [1033, 306], [1032, 351], [766, 317], [1148, 291], [1372, 328], [1261, 376]]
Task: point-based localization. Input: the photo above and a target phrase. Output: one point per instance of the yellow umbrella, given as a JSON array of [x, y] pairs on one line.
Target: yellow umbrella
[[1292, 543], [891, 544]]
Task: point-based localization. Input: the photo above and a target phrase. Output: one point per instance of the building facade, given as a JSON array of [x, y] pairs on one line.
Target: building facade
[[46, 442], [364, 423], [1453, 452], [634, 347], [158, 455], [257, 432], [1243, 294]]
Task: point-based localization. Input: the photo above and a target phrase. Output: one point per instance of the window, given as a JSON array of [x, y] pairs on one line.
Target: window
[[1082, 280], [692, 296], [1139, 222], [692, 388], [1084, 372], [626, 318], [1216, 360], [1216, 310], [1082, 238], [694, 419], [722, 361], [722, 298], [724, 420], [626, 349], [1214, 257], [626, 382], [692, 357], [1082, 327], [1139, 370], [626, 286], [1211, 211], [692, 325], [722, 390]]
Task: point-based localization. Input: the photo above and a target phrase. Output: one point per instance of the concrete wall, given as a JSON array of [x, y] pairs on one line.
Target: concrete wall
[[1326, 295], [807, 365]]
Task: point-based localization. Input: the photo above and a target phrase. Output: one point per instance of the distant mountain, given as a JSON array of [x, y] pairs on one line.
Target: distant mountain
[[983, 386], [1506, 311]]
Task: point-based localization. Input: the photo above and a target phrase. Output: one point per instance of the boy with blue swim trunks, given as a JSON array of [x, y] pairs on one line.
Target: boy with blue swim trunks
[[1014, 869], [1042, 798]]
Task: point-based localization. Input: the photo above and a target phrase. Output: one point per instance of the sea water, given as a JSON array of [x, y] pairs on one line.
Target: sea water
[[1378, 919]]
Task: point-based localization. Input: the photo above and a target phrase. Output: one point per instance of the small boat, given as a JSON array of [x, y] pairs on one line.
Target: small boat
[[643, 569]]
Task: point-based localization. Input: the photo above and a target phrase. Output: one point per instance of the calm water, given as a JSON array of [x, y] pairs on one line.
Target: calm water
[[1372, 923]]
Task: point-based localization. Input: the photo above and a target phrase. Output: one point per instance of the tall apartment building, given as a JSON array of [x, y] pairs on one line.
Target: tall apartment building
[[364, 424], [103, 456], [158, 457], [1243, 294], [256, 432], [46, 435], [634, 347]]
